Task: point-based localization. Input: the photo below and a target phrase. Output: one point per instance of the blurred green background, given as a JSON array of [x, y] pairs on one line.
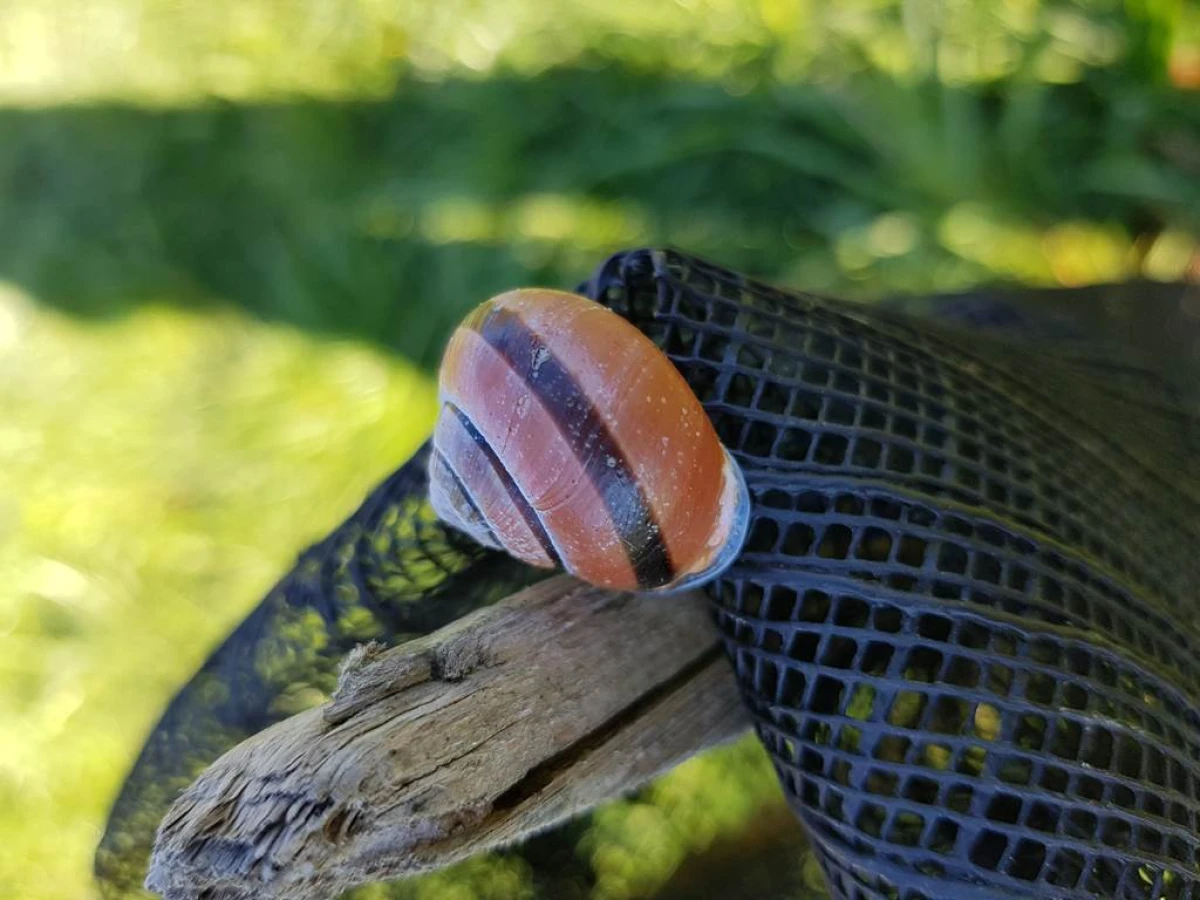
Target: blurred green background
[[234, 233]]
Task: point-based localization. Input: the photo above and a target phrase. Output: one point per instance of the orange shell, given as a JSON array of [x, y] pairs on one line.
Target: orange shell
[[568, 438]]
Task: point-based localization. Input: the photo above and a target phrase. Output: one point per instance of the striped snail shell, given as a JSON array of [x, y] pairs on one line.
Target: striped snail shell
[[567, 438]]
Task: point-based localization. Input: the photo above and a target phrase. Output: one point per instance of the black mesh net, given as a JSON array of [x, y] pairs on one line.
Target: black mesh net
[[965, 619]]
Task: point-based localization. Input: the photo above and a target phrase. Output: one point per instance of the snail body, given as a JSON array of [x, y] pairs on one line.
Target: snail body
[[567, 438]]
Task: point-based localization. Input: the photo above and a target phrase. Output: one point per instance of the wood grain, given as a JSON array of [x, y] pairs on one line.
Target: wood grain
[[505, 723]]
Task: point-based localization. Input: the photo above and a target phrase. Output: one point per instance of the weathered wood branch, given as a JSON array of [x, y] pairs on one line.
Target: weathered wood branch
[[505, 723]]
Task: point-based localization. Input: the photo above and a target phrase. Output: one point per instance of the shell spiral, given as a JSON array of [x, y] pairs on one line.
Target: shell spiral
[[567, 438]]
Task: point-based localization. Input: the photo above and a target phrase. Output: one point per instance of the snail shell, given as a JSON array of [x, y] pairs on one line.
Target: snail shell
[[567, 438]]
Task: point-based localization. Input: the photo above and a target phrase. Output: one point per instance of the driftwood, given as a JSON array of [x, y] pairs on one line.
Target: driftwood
[[505, 723]]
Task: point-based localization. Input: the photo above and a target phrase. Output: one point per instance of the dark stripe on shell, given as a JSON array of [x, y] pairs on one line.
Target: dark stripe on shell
[[582, 426], [477, 519], [527, 512]]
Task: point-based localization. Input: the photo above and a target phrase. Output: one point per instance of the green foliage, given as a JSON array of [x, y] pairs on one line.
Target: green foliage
[[1013, 143], [233, 234]]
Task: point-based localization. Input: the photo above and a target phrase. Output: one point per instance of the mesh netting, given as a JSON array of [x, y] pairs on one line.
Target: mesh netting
[[965, 619], [962, 619]]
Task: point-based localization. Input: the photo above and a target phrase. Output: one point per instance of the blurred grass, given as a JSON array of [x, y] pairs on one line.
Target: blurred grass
[[1039, 142], [386, 220], [232, 236], [159, 473]]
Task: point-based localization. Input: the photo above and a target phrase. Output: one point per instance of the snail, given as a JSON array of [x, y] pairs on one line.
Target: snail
[[567, 438]]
